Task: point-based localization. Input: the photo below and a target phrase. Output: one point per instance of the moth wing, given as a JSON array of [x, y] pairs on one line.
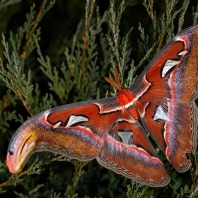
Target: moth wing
[[127, 151], [165, 94]]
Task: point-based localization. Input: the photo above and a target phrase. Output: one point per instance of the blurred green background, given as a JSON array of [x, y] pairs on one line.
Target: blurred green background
[[58, 26]]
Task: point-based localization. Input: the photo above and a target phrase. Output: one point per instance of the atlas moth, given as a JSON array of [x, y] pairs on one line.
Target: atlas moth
[[161, 103]]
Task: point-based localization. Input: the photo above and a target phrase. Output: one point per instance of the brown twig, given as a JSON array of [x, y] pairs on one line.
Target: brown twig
[[24, 103], [5, 102], [87, 25], [38, 19], [17, 176], [194, 177], [77, 174]]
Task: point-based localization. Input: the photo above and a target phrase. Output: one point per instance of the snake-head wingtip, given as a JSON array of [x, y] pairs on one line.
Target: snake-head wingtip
[[20, 148], [9, 163]]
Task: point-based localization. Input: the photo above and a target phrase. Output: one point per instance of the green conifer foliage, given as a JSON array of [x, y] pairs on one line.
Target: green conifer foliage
[[58, 52]]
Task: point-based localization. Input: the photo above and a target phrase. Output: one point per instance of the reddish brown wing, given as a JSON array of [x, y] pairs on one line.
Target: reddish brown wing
[[77, 130], [165, 92], [89, 130], [128, 151]]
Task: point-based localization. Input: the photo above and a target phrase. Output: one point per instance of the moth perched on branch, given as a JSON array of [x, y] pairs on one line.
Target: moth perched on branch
[[114, 130]]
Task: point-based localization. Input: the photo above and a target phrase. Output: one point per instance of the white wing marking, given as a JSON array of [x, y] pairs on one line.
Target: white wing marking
[[168, 65], [76, 119], [125, 136], [160, 114]]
